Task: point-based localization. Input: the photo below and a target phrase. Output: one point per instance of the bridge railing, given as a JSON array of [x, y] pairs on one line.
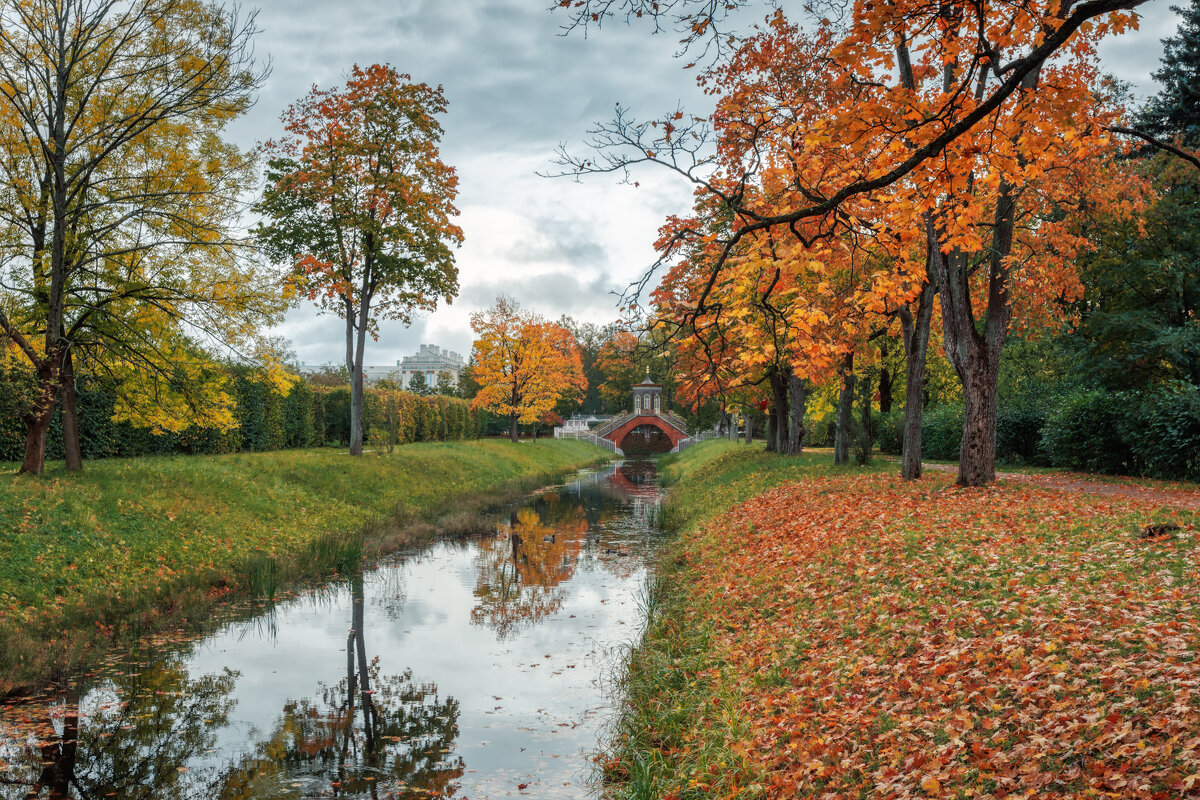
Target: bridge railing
[[588, 436], [684, 444]]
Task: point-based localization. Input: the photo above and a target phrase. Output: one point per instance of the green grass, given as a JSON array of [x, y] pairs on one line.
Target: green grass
[[131, 546]]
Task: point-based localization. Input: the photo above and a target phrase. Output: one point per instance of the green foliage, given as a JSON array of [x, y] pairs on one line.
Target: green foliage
[[419, 384], [889, 431], [941, 432], [1175, 110], [1083, 433]]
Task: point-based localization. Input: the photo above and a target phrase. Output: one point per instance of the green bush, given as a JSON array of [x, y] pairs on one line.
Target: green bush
[[941, 432], [1019, 433], [1084, 433], [819, 431], [1162, 431], [889, 432]]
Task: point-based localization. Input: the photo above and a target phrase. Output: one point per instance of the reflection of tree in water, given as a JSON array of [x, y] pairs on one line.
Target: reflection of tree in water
[[366, 736], [133, 734], [519, 574]]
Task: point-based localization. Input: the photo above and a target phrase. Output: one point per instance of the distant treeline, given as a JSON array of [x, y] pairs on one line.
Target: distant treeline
[[305, 415]]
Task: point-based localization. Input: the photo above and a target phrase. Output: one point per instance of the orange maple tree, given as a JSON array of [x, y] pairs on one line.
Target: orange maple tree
[[360, 202], [524, 365], [952, 135]]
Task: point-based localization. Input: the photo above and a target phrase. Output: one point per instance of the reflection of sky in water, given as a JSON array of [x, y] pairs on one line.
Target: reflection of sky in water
[[529, 692]]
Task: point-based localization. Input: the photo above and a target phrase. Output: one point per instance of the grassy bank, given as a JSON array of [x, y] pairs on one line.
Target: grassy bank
[[133, 546], [846, 634]]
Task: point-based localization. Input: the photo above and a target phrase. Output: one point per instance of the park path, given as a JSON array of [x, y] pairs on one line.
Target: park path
[[1076, 483]]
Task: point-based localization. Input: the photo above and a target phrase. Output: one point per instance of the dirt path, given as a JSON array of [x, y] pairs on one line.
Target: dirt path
[[1082, 484]]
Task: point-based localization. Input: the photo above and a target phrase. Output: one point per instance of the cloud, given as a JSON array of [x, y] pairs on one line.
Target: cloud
[[517, 89]]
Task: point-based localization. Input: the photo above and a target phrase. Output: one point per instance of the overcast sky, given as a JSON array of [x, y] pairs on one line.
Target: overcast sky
[[517, 89]]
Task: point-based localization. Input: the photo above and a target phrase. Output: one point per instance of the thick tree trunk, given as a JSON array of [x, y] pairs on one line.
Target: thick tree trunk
[[797, 404], [37, 421], [771, 442], [916, 346], [841, 432], [779, 409], [514, 432], [974, 355], [70, 416]]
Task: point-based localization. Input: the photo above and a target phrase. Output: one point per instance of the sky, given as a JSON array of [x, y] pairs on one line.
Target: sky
[[517, 89]]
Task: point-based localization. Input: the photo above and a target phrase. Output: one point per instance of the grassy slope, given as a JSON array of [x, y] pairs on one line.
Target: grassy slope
[[851, 635], [132, 545]]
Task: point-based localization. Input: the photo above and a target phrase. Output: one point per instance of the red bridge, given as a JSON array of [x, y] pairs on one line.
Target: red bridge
[[649, 428]]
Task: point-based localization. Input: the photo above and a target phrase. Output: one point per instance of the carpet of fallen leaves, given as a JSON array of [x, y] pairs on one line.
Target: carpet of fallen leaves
[[893, 640]]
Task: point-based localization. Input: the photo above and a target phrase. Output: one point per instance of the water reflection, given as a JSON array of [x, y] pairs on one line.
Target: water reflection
[[127, 738], [336, 693]]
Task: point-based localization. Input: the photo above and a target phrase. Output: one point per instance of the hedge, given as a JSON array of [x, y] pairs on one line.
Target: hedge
[[305, 416]]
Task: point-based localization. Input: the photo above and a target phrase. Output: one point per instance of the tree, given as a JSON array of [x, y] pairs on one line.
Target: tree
[[445, 384], [948, 119], [523, 364], [1175, 110], [419, 384], [119, 202], [360, 201]]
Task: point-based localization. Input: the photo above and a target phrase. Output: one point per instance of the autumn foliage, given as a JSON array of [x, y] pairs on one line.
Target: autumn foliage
[[849, 636], [524, 365]]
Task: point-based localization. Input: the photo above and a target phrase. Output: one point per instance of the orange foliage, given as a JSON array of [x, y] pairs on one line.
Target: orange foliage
[[524, 365], [914, 640]]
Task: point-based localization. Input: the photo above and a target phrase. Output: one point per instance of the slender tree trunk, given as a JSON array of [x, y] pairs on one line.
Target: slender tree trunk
[[749, 429], [866, 441], [797, 404], [70, 416], [916, 345], [841, 433], [885, 380]]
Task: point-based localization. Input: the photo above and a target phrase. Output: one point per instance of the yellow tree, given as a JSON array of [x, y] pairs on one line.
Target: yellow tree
[[120, 202], [524, 365]]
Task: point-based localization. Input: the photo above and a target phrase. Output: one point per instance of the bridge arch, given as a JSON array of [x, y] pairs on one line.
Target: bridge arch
[[668, 436]]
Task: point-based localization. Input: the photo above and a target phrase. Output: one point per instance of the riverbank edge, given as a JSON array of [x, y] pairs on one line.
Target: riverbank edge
[[662, 703], [36, 657]]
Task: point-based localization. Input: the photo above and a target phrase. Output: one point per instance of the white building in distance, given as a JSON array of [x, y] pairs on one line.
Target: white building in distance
[[430, 360]]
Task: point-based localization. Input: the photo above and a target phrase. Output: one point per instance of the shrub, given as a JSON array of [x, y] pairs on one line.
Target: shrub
[[889, 432], [941, 432], [1019, 432], [1162, 431], [1084, 433]]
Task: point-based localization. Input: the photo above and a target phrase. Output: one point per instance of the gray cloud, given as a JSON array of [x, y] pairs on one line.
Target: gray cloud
[[517, 89]]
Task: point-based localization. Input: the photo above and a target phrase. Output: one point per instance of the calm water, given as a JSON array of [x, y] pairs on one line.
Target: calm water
[[484, 664]]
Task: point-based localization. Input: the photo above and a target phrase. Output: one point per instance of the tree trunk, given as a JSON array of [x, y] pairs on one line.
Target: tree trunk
[[974, 355], [841, 433], [771, 448], [514, 432], [749, 429], [866, 438], [37, 420], [916, 345], [70, 416], [885, 380], [779, 409], [797, 403]]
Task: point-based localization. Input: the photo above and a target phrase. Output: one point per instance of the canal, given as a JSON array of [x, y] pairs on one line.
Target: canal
[[470, 668]]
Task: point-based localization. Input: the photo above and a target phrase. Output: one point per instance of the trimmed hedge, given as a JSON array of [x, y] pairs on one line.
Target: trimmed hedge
[[266, 420]]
